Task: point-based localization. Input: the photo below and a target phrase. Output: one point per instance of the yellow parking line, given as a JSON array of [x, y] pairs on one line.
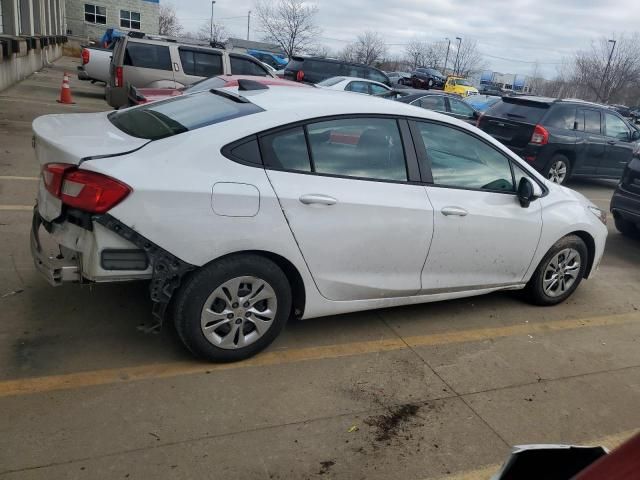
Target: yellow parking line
[[12, 177], [16, 208], [485, 472], [27, 386]]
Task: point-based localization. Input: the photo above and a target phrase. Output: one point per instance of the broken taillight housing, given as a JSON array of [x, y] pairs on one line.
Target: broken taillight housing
[[89, 191]]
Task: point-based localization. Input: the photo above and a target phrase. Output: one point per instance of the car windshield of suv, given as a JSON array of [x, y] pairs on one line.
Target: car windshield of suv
[[329, 82], [206, 84], [179, 114], [461, 81]]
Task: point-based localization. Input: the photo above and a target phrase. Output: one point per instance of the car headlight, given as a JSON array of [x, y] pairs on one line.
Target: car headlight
[[601, 214]]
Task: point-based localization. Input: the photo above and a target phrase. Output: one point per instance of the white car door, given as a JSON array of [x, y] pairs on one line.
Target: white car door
[[362, 228], [483, 237]]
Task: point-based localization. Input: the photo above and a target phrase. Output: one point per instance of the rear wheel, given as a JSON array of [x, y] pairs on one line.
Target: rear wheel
[[559, 169], [559, 273], [233, 308], [430, 83], [626, 227]]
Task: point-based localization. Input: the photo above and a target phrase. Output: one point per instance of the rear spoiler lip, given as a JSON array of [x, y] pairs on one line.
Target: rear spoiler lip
[[109, 155]]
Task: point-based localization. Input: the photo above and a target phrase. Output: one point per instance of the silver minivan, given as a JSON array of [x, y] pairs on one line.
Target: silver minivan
[[161, 63]]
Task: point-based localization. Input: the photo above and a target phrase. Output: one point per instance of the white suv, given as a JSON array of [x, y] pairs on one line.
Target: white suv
[[245, 206]]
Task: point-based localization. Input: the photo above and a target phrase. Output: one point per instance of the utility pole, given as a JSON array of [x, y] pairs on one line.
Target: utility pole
[[446, 59], [211, 34], [248, 23], [455, 65], [606, 70]]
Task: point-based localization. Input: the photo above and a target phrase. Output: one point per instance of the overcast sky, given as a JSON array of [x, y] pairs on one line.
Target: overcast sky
[[511, 34]]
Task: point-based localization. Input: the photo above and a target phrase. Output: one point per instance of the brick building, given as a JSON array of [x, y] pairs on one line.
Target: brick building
[[91, 18]]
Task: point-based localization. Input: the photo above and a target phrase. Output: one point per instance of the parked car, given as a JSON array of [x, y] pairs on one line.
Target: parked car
[[317, 69], [356, 85], [139, 96], [399, 78], [427, 78], [276, 61], [622, 110], [563, 138], [246, 206], [459, 86], [159, 63], [443, 103], [491, 90], [481, 103], [95, 63], [625, 203]]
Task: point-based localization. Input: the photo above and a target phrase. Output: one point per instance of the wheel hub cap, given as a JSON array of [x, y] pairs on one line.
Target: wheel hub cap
[[561, 272], [238, 312], [558, 172]]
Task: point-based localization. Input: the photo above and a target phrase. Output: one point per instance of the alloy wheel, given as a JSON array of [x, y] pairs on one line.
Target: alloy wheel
[[238, 312], [561, 272], [558, 171]]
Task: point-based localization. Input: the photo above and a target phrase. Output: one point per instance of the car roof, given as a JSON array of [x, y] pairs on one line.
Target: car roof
[[360, 79]]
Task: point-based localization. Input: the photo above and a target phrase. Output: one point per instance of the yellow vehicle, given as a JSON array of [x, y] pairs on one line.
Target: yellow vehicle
[[459, 86]]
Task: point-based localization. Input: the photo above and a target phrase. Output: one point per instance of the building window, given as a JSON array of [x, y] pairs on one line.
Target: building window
[[130, 19], [95, 14]]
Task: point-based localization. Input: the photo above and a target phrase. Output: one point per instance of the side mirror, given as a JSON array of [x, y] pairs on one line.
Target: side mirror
[[635, 135], [527, 192]]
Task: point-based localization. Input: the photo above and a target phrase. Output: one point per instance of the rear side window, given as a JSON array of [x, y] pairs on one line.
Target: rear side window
[[530, 112], [244, 66], [592, 121], [329, 69], [201, 64], [561, 116], [294, 65], [147, 56], [178, 115], [286, 150]]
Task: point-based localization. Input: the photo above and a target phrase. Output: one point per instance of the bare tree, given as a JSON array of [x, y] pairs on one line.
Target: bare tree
[[288, 23], [604, 79], [422, 54], [321, 51], [369, 48], [414, 50], [168, 21], [469, 58], [203, 33]]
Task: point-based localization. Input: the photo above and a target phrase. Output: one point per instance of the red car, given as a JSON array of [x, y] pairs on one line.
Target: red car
[[138, 96]]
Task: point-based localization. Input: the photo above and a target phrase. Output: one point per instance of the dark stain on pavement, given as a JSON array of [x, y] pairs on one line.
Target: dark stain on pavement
[[392, 423]]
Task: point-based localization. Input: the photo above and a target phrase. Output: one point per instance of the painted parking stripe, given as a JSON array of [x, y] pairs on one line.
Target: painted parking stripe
[[16, 208], [26, 386], [483, 473], [12, 177]]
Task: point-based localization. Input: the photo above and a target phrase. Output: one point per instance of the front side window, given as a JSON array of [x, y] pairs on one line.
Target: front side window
[[433, 102], [244, 66], [461, 160], [95, 14], [146, 55], [358, 147], [129, 19], [201, 64], [616, 128], [460, 108]]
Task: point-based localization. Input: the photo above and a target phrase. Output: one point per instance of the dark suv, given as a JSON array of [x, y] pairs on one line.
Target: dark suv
[[625, 204], [427, 78], [563, 138], [316, 69]]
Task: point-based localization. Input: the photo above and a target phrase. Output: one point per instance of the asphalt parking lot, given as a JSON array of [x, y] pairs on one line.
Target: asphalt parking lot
[[422, 392]]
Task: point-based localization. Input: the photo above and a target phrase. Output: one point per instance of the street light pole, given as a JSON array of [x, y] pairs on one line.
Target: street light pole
[[606, 70], [248, 23], [446, 59], [455, 66], [211, 34]]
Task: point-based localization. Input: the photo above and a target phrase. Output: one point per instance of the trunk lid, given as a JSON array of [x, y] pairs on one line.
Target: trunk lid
[[513, 120]]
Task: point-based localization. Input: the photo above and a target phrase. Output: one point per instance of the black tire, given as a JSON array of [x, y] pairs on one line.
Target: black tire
[[558, 158], [192, 295], [626, 227], [535, 290]]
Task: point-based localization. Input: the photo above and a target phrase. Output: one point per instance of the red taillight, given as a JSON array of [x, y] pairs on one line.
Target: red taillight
[[119, 79], [82, 189], [540, 135], [85, 56], [300, 75]]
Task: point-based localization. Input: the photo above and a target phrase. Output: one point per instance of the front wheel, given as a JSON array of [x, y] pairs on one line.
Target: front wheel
[[559, 273], [231, 309]]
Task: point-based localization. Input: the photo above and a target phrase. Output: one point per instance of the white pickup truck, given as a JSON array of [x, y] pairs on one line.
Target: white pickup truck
[[95, 63]]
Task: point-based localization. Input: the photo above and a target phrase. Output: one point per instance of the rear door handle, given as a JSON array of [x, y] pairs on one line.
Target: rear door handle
[[612, 142], [317, 199], [454, 211]]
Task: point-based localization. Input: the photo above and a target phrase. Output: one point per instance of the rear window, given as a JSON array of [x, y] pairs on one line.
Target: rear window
[[529, 112], [147, 56], [178, 115], [561, 116]]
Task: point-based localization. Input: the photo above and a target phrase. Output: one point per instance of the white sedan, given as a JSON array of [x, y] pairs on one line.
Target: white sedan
[[246, 206], [354, 84]]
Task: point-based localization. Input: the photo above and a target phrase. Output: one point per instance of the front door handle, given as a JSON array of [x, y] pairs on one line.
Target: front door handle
[[317, 199], [612, 142], [454, 211]]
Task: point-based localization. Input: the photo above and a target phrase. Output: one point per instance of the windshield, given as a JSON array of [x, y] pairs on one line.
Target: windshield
[[462, 81], [329, 82], [178, 115]]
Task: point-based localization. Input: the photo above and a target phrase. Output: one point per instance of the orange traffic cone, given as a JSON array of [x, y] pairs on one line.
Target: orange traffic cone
[[65, 90]]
